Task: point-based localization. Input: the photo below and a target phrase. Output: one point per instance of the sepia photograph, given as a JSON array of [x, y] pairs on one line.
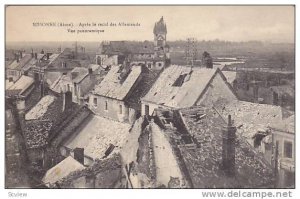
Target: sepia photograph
[[149, 96]]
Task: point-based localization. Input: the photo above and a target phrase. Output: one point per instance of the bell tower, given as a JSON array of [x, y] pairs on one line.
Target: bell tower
[[160, 37]]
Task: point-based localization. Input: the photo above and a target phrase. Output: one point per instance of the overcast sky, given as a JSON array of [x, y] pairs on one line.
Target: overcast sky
[[233, 23]]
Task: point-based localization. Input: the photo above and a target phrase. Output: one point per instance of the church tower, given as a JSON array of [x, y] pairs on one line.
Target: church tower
[[160, 38]]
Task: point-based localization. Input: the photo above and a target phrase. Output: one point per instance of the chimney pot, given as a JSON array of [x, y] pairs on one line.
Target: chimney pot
[[90, 71]]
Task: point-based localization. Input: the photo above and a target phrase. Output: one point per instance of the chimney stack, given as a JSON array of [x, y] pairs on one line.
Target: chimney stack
[[32, 54], [228, 148], [79, 155], [67, 99], [21, 54], [90, 71], [20, 105], [35, 55]]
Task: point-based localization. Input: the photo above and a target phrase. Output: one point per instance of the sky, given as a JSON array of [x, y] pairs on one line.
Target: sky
[[231, 23]]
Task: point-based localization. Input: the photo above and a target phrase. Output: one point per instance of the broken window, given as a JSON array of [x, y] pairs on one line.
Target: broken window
[[288, 149], [258, 138], [180, 80]]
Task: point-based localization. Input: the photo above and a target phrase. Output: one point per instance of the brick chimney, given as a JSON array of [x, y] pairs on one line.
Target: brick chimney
[[67, 100], [228, 148], [20, 105], [79, 155]]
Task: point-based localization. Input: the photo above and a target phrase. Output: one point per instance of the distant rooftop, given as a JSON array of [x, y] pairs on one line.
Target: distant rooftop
[[22, 62], [127, 47], [21, 84]]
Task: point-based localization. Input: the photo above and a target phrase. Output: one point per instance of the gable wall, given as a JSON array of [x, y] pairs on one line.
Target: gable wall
[[217, 89]]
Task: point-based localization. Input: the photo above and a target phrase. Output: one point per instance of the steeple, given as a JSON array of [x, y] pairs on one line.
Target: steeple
[[160, 27]]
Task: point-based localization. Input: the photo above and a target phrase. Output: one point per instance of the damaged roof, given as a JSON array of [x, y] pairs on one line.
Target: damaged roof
[[287, 125], [180, 86], [250, 117], [115, 86], [138, 92], [204, 162], [61, 170], [36, 133], [107, 173], [40, 108], [45, 118], [96, 134], [23, 61]]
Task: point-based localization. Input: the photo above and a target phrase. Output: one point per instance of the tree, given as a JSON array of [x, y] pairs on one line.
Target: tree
[[207, 60]]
